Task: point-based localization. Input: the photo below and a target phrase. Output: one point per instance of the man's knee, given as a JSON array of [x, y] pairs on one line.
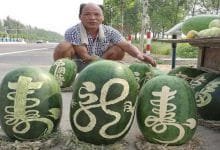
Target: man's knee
[[114, 53], [63, 50]]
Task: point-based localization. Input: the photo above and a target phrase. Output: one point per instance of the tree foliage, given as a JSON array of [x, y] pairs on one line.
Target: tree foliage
[[163, 14], [195, 7], [14, 29], [118, 12]]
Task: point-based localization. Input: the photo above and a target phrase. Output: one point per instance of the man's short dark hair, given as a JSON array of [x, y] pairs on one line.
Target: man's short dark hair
[[84, 4]]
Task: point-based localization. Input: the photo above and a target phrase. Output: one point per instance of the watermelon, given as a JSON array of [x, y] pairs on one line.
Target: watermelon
[[208, 100], [166, 110], [198, 23], [64, 70], [142, 72], [103, 102], [200, 81], [185, 72], [30, 104], [211, 32], [158, 72], [215, 23]]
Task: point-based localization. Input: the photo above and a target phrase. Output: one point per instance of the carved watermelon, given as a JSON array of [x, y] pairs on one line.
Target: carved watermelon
[[30, 103], [142, 72], [200, 81], [166, 111], [187, 73], [64, 70], [208, 100], [103, 102], [157, 72]]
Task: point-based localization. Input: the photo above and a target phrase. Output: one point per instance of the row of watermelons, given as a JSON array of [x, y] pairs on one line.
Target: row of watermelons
[[106, 95]]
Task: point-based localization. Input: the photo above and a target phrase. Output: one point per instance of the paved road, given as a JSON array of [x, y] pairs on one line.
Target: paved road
[[40, 55], [18, 55]]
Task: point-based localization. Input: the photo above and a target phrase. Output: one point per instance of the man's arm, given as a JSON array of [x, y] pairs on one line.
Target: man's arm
[[135, 52], [83, 53]]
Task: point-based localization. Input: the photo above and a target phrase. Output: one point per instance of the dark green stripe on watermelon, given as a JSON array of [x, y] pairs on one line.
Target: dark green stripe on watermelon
[[187, 73], [166, 111], [64, 70], [208, 100], [103, 102], [30, 103]]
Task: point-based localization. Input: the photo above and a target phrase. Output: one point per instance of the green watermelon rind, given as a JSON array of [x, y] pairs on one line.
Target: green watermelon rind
[[70, 72], [184, 99], [49, 95], [210, 96], [206, 77], [144, 70], [99, 73], [185, 72]]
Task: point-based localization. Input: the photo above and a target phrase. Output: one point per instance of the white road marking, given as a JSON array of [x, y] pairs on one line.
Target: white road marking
[[16, 52]]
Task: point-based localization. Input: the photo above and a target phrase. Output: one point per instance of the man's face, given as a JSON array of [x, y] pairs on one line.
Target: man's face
[[91, 16]]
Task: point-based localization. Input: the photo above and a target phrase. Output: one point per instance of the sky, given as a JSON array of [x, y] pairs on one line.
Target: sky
[[53, 15]]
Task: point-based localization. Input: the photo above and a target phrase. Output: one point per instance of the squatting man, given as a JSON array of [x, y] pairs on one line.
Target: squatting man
[[90, 40]]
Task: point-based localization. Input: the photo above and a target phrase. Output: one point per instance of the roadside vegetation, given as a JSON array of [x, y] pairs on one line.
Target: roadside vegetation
[[13, 29], [183, 50]]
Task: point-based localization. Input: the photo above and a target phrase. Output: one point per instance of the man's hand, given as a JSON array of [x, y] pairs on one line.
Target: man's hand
[[147, 58], [90, 58], [94, 57], [135, 52]]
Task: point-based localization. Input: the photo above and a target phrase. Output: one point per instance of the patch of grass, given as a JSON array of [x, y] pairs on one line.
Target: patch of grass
[[161, 48], [185, 50]]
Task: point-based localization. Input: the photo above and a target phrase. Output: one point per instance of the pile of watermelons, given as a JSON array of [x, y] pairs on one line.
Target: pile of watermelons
[[106, 96], [202, 26]]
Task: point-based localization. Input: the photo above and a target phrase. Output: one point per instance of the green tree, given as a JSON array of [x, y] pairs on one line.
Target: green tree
[[211, 6], [1, 27], [119, 13], [15, 29], [196, 7], [132, 17], [164, 14]]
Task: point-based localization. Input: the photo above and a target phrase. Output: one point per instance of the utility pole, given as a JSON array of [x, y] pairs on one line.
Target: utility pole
[[122, 17], [145, 23], [111, 11]]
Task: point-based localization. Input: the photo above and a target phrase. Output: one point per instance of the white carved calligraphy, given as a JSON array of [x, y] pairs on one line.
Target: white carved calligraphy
[[91, 103], [165, 115], [20, 115]]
